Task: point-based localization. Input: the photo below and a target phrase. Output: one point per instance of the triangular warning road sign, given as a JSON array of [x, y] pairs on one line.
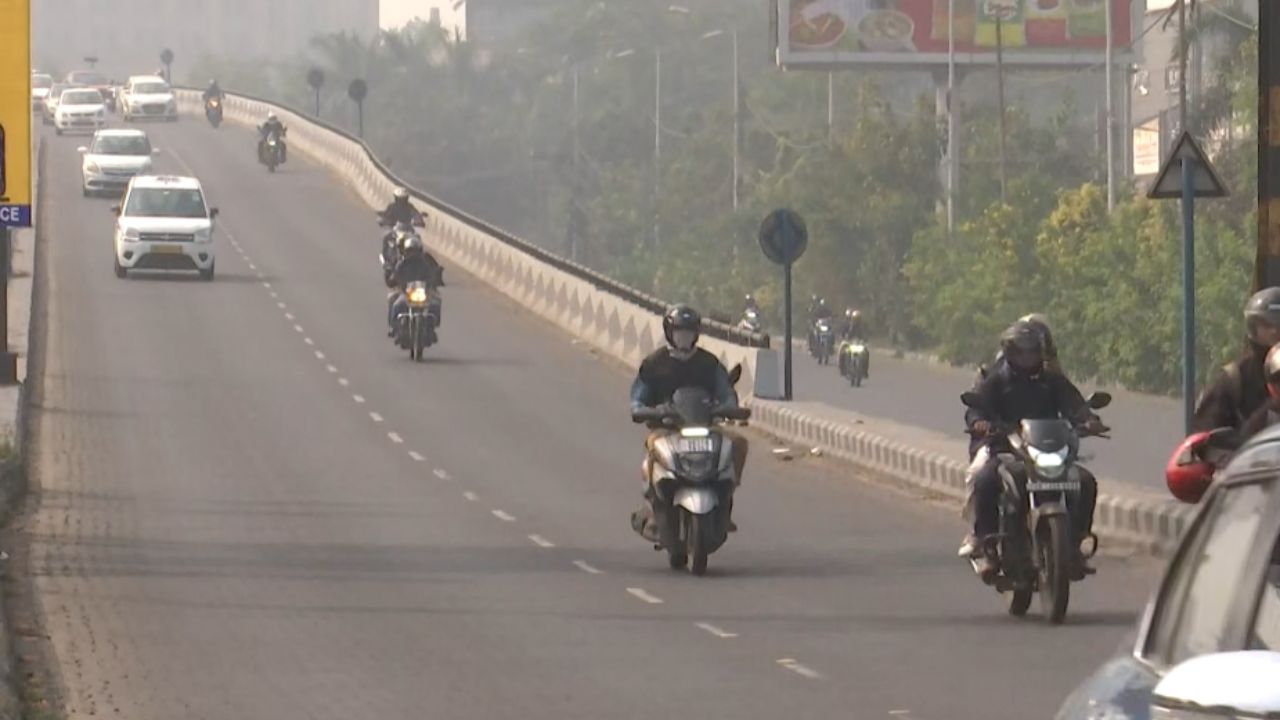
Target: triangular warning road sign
[[1205, 180]]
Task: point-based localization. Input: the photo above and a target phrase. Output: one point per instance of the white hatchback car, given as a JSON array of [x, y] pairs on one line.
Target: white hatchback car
[[113, 159], [80, 110], [147, 96], [164, 224], [40, 85]]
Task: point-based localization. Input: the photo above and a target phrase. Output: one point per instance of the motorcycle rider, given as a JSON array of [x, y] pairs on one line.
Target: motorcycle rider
[[1021, 389], [399, 210], [213, 91], [749, 304], [818, 311], [415, 265], [1240, 390], [272, 124], [681, 364], [851, 330], [1268, 413]]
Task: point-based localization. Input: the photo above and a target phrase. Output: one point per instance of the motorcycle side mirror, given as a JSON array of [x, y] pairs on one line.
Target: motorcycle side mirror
[[419, 222], [1231, 684], [1099, 400], [735, 374], [970, 399], [213, 213]]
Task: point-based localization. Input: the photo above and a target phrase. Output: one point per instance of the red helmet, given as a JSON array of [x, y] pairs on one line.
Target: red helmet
[[1188, 475]]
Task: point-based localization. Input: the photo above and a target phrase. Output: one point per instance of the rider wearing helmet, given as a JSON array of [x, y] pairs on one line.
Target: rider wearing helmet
[[681, 363], [400, 210], [272, 124], [1240, 389], [415, 264], [749, 303], [1021, 389], [851, 327], [213, 91]]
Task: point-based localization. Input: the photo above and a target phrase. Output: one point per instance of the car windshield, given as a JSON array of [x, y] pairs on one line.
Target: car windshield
[[81, 97], [165, 202], [151, 88], [41, 81], [84, 77], [121, 145]]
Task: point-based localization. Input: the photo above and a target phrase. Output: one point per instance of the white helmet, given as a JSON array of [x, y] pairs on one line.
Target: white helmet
[[271, 115], [402, 193]]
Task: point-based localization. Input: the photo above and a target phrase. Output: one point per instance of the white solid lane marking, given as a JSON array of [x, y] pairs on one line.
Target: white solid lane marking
[[358, 398], [584, 567], [503, 515], [440, 474], [344, 382], [471, 496], [375, 417], [331, 369], [395, 438], [319, 355], [715, 630], [417, 456], [541, 541], [640, 593], [797, 668]]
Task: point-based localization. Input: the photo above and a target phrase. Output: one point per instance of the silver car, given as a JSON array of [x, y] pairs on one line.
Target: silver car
[[1220, 592]]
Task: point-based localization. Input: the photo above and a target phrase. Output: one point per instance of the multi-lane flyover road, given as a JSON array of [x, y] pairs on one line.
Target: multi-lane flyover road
[[252, 506]]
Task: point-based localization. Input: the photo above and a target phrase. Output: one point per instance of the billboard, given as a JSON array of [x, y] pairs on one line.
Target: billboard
[[15, 113], [1047, 33], [1146, 148]]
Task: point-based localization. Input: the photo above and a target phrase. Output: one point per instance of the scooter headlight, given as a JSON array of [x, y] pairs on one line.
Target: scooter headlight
[[1049, 464]]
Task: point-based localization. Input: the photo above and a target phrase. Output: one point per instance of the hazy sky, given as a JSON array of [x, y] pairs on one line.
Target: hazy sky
[[398, 12]]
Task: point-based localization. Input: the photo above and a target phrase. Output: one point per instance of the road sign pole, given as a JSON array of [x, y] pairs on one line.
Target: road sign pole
[[8, 360], [1267, 266], [1188, 292], [786, 331]]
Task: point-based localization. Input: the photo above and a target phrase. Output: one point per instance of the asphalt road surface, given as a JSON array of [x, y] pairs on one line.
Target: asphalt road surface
[[253, 506]]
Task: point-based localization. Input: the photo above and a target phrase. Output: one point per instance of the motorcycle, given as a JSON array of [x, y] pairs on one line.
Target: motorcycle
[[1034, 548], [272, 150], [750, 321], [416, 324], [213, 111], [824, 339], [854, 360], [691, 475]]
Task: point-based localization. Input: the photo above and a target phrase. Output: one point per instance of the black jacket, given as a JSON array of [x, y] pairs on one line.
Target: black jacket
[[661, 375], [265, 129], [416, 268], [213, 92], [400, 212], [1235, 394], [1007, 397]]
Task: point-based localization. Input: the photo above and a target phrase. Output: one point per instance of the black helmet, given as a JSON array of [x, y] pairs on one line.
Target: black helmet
[[1264, 306], [1023, 346], [681, 318], [411, 244]]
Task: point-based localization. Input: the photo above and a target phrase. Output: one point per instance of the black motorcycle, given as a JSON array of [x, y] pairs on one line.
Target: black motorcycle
[[1034, 549], [271, 151], [823, 341], [213, 111]]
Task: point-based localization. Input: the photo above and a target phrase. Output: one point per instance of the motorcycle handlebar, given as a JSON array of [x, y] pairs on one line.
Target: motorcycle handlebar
[[666, 415]]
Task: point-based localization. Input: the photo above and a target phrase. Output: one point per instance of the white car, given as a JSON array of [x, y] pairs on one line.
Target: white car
[[40, 84], [113, 159], [148, 96], [164, 224], [80, 109]]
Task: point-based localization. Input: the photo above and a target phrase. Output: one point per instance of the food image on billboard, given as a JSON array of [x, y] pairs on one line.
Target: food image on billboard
[[906, 32]]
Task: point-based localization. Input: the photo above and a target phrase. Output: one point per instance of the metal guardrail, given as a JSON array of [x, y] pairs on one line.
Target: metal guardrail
[[712, 328]]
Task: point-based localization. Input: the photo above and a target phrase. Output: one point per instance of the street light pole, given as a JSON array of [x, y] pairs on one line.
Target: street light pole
[[951, 118], [1111, 117], [1004, 181], [577, 181], [737, 120], [657, 142]]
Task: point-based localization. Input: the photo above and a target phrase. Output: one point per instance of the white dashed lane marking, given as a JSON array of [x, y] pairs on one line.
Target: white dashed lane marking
[[645, 596], [541, 541], [503, 515], [587, 568], [395, 438], [712, 629], [417, 456], [797, 668], [358, 398], [375, 417], [471, 496]]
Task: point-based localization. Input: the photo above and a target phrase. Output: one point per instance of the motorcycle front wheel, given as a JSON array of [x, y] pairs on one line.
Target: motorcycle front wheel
[[1054, 561], [700, 529]]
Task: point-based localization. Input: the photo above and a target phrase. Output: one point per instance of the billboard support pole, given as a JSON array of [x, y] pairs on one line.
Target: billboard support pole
[[1267, 265], [951, 118], [1004, 183], [1111, 114]]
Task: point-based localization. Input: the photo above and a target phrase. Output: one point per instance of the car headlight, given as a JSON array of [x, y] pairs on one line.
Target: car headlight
[[92, 167], [205, 235], [131, 235], [1049, 464]]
